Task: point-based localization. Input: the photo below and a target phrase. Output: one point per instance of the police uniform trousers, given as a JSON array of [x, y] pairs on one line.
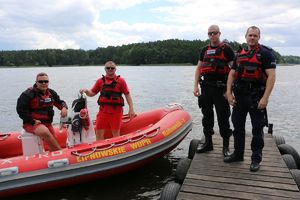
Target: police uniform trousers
[[247, 102], [213, 95]]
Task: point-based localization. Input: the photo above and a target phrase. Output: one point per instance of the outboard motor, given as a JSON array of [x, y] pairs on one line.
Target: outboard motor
[[79, 103], [76, 124], [81, 129]]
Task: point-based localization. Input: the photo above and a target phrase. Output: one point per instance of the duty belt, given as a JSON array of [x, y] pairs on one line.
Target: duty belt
[[248, 87], [214, 83]]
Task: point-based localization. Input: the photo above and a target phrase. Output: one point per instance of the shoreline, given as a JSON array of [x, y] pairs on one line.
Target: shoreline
[[155, 65], [101, 65]]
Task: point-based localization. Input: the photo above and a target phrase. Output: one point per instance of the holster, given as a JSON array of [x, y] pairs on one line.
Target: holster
[[200, 101]]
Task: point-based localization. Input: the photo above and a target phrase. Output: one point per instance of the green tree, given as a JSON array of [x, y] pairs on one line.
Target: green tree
[[158, 52]]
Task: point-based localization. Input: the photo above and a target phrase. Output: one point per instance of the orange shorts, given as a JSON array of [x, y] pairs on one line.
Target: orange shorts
[[108, 121], [31, 128]]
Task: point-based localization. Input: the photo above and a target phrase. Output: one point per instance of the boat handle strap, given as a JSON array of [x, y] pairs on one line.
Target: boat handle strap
[[152, 133], [148, 134], [126, 118], [122, 143], [137, 138], [104, 148], [4, 136], [76, 153]]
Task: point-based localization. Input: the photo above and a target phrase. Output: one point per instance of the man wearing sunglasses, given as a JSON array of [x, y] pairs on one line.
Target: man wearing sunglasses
[[211, 73], [111, 102], [35, 108]]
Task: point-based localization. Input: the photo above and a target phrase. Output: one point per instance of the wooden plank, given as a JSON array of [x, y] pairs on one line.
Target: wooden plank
[[237, 188], [210, 178], [245, 176], [229, 194], [271, 151], [284, 186], [236, 165], [195, 170], [218, 160], [191, 196]]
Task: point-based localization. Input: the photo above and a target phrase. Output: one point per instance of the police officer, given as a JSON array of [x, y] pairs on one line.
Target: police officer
[[251, 79], [211, 72]]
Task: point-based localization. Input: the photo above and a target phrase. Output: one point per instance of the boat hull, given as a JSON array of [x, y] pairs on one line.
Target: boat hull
[[100, 159]]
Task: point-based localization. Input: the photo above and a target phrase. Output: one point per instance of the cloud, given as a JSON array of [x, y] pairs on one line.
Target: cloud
[[88, 24]]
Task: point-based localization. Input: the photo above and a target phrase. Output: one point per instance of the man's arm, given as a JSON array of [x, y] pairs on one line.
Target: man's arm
[[94, 90], [263, 102], [131, 112], [229, 95], [60, 104], [269, 61], [23, 108], [87, 92], [197, 79]]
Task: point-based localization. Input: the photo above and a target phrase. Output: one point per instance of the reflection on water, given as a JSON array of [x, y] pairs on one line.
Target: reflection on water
[[151, 87]]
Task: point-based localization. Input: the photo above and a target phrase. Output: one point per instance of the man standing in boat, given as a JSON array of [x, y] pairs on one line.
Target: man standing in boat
[[251, 79], [111, 102], [211, 73], [35, 108]]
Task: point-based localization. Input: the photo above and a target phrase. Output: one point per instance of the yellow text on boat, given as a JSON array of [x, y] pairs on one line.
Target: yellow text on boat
[[171, 129], [141, 143], [102, 154]]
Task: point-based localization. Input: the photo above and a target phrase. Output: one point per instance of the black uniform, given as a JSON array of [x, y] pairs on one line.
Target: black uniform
[[248, 92], [213, 87]]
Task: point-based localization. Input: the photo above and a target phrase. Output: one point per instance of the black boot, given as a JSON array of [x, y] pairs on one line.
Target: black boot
[[207, 146], [226, 147], [235, 157]]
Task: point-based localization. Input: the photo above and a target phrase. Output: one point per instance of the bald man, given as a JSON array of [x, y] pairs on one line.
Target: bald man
[[211, 74], [111, 87]]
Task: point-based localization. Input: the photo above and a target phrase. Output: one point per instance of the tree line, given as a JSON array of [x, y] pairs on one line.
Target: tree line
[[173, 51]]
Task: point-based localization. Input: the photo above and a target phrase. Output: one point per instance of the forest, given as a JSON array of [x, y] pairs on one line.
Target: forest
[[173, 51]]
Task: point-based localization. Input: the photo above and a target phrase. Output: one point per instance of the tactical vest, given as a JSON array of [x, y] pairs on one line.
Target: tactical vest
[[249, 66], [214, 61]]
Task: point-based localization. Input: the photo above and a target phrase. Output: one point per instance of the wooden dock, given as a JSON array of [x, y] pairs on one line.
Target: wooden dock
[[210, 178]]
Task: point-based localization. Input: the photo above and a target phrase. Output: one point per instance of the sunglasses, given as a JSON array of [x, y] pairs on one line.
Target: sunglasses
[[112, 68], [43, 81], [213, 33]]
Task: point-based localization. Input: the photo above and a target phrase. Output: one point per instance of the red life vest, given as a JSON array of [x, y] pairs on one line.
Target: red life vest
[[41, 105], [249, 66], [110, 94], [214, 61]]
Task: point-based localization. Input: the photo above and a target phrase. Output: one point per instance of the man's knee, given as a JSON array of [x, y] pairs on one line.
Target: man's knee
[[43, 132], [100, 131]]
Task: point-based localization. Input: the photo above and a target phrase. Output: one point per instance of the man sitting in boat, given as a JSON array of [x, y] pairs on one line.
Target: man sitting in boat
[[111, 102], [35, 108]]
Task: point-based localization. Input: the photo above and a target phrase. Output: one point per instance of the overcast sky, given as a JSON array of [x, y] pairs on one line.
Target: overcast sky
[[88, 24]]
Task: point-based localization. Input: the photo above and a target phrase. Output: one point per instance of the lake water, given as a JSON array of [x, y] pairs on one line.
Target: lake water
[[151, 87]]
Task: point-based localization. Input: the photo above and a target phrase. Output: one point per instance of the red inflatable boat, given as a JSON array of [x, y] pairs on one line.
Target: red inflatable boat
[[149, 135]]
